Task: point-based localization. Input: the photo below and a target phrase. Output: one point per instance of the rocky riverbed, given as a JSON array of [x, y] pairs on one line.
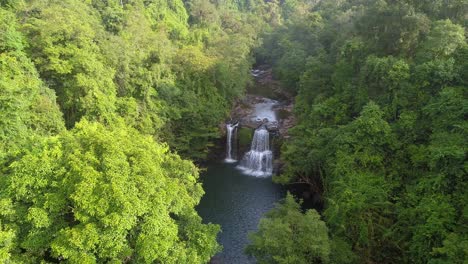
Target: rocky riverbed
[[265, 93]]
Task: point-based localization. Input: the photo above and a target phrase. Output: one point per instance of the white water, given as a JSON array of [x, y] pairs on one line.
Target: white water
[[264, 110], [259, 160], [230, 129]]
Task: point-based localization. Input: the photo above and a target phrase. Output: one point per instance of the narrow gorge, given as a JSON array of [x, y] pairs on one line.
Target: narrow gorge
[[238, 187]]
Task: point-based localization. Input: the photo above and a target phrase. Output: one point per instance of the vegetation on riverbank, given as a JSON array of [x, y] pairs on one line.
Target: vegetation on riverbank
[[96, 97], [381, 101], [103, 103]]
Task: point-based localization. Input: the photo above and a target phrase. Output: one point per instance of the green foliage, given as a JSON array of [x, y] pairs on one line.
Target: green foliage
[[62, 37], [158, 64], [245, 136], [357, 206], [381, 108], [95, 193], [286, 235], [125, 76], [443, 39], [27, 107]]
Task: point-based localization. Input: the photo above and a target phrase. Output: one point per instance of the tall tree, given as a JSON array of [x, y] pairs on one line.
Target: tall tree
[[286, 235], [97, 194]]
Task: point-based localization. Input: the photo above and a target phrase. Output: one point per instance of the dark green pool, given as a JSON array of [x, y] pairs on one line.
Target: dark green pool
[[236, 202]]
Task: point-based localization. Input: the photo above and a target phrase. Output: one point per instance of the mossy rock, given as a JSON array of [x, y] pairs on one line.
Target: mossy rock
[[276, 143], [283, 114], [245, 135]]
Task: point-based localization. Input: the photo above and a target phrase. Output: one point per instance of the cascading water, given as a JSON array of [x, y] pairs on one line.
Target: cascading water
[[259, 160], [230, 134]]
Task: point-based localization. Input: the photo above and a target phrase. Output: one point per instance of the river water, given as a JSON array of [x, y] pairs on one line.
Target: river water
[[236, 202]]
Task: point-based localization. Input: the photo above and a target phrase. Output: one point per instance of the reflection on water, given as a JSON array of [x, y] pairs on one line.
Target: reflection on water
[[236, 202]]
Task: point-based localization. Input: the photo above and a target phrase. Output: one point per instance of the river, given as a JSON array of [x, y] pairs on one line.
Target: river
[[236, 202]]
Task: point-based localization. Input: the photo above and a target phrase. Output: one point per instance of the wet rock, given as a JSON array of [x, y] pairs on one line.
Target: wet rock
[[244, 109], [272, 127], [277, 166]]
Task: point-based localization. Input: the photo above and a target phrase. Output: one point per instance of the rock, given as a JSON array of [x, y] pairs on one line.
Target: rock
[[272, 126], [244, 107], [278, 166]]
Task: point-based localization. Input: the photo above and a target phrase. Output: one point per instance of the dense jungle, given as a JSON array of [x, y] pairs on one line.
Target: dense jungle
[[119, 120]]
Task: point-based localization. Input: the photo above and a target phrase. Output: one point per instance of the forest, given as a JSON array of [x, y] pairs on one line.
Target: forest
[[108, 108]]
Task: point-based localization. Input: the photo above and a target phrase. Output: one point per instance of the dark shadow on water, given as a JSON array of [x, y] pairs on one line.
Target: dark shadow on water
[[236, 202]]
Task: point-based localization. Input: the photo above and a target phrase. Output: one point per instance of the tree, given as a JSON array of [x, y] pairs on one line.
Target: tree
[[286, 235], [433, 207], [390, 171], [104, 194], [442, 41], [62, 37], [27, 106], [358, 203]]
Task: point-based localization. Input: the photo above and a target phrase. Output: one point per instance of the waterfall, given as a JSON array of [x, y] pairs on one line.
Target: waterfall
[[259, 160], [230, 134]]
